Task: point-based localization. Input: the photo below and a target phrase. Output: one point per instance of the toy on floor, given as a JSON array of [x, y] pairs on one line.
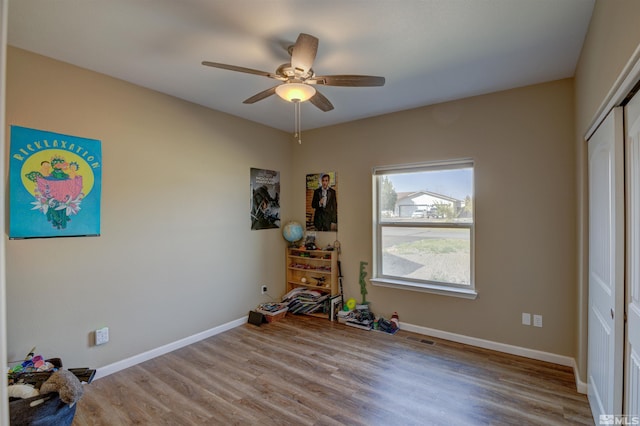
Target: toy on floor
[[363, 283], [395, 319], [22, 391], [34, 363], [66, 384], [387, 326], [350, 305]]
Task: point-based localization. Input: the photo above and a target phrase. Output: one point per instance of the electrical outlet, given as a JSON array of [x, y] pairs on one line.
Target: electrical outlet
[[537, 320], [526, 318], [102, 335], [263, 289]]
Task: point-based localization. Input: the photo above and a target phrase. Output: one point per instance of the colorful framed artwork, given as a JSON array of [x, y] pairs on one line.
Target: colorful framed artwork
[[55, 184]]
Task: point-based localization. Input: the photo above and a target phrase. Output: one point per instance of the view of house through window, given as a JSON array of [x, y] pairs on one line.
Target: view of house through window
[[424, 224]]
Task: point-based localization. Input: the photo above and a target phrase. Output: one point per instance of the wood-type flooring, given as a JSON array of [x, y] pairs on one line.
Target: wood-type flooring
[[309, 371]]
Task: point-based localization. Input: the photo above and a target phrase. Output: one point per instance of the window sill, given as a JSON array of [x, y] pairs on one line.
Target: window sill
[[426, 288]]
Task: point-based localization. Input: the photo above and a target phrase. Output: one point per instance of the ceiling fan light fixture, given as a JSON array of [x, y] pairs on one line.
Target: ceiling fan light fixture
[[295, 92]]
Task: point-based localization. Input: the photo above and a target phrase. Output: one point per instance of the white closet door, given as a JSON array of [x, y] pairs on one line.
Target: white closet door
[[606, 267], [632, 352]]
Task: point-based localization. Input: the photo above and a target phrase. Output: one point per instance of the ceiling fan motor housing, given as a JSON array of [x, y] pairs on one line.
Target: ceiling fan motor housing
[[288, 73]]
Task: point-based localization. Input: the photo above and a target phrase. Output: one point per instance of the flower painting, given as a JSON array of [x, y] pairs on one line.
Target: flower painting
[[55, 183]]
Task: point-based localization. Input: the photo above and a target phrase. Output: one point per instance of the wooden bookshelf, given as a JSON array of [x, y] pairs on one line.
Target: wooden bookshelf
[[313, 269]]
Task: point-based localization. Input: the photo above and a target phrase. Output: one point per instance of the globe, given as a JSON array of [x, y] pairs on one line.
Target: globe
[[292, 232]]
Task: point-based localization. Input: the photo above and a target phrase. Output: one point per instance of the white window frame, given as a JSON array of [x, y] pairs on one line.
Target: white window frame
[[379, 279]]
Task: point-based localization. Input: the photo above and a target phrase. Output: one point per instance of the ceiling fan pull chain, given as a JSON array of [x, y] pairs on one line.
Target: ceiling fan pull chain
[[297, 124]]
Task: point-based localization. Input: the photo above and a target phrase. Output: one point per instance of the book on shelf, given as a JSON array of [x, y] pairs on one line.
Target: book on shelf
[[302, 300], [315, 308], [301, 292]]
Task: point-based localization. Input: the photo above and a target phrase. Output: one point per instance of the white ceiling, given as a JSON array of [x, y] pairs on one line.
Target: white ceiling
[[430, 51]]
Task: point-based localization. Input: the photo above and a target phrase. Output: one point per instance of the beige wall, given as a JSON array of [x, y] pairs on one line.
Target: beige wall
[[176, 255], [522, 144], [612, 39]]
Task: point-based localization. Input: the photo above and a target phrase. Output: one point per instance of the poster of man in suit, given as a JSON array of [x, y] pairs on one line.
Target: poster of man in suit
[[322, 202]]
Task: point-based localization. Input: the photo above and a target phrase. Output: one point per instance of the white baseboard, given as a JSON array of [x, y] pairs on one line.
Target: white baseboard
[[145, 356], [580, 385], [501, 347]]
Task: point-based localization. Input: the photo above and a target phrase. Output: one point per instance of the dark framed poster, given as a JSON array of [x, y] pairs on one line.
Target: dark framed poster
[[322, 202], [55, 182], [265, 199]]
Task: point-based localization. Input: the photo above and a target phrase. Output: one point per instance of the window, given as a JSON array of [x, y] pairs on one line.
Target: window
[[424, 227]]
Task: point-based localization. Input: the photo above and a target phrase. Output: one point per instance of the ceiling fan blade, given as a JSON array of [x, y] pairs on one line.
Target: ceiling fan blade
[[348, 80], [320, 101], [260, 96], [241, 69], [304, 52]]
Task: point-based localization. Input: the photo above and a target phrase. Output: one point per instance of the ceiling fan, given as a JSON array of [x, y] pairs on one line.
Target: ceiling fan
[[298, 78]]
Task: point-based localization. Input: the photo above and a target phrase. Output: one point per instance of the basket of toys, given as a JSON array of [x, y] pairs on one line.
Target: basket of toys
[[41, 392], [273, 311]]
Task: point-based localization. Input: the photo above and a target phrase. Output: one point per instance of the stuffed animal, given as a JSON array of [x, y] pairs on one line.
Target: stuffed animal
[[22, 391], [66, 384]]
